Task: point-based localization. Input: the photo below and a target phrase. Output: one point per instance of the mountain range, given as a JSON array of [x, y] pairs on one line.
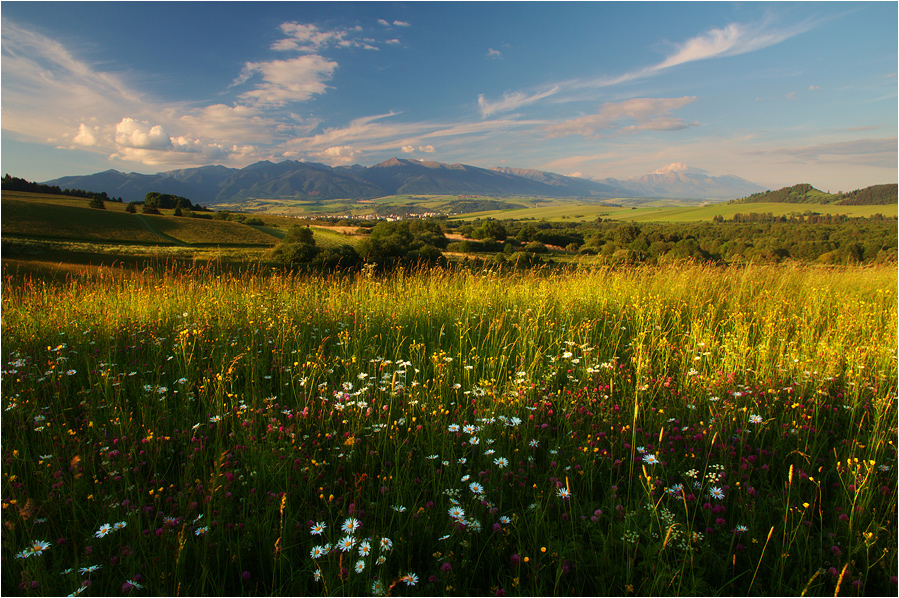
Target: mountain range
[[220, 186]]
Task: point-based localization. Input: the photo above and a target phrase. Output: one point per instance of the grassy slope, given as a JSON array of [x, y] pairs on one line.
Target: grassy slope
[[60, 217]]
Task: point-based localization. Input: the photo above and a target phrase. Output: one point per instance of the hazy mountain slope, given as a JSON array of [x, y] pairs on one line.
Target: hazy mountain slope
[[311, 181], [687, 185]]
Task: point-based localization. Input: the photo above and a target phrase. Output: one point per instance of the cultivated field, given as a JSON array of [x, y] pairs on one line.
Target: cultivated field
[[669, 430]]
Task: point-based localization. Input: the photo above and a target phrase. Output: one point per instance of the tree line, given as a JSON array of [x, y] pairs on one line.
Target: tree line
[[11, 183]]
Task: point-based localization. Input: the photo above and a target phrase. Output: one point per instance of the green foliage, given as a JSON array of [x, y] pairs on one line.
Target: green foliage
[[405, 242], [97, 204], [299, 234], [876, 195]]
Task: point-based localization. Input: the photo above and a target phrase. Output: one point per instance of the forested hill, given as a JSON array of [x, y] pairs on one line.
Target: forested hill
[[805, 193]]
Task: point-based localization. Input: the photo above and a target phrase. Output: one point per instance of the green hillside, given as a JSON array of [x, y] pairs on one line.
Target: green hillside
[[805, 193], [53, 217]]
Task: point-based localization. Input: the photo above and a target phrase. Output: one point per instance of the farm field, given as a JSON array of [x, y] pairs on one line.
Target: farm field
[[670, 211], [653, 430]]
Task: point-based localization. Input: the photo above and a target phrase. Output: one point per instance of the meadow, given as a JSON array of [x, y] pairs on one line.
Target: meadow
[[673, 430]]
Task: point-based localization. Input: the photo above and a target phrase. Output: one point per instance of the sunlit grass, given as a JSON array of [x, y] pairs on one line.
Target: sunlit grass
[[682, 430]]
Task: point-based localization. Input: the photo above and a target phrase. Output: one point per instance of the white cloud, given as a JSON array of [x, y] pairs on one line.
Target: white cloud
[[491, 53], [343, 154], [87, 136], [649, 114], [732, 40], [307, 37], [512, 101], [401, 23], [673, 167], [293, 80], [411, 149], [141, 135], [47, 92], [384, 22]]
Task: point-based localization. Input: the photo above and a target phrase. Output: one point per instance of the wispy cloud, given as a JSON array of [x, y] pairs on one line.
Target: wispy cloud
[[644, 114], [878, 153], [512, 101], [731, 40]]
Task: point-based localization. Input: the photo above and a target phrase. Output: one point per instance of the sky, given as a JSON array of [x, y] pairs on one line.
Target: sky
[[777, 93]]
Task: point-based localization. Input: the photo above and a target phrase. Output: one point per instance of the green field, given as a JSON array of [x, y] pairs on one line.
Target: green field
[[666, 212], [677, 430]]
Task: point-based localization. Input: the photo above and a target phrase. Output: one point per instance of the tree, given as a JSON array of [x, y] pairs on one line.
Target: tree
[[300, 234], [131, 208], [97, 203]]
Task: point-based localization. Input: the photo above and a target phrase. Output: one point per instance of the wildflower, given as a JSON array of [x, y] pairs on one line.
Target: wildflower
[[741, 529], [202, 530], [399, 508], [676, 489], [133, 584], [386, 544], [318, 528], [346, 543], [317, 552], [119, 525], [104, 530], [350, 525], [755, 419], [410, 578], [453, 428], [650, 459], [563, 493], [381, 560], [91, 569], [505, 520], [377, 588], [360, 566], [534, 443], [716, 492], [317, 575], [215, 419], [365, 548], [37, 548], [476, 488], [456, 513], [469, 429], [501, 462]]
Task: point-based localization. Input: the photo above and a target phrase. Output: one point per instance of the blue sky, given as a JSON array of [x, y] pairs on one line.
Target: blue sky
[[777, 93]]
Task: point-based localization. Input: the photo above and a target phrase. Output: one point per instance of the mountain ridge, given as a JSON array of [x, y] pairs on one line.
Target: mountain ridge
[[311, 181]]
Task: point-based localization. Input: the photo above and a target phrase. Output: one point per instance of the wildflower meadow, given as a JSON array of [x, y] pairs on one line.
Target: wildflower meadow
[[674, 430]]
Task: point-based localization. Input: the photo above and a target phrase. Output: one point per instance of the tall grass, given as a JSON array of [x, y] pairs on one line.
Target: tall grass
[[679, 430]]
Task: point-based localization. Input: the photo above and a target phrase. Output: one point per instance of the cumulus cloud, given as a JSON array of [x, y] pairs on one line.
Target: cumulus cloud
[[491, 53], [673, 167], [411, 149], [512, 101], [141, 135], [307, 37], [336, 155], [650, 114], [87, 136], [283, 81]]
